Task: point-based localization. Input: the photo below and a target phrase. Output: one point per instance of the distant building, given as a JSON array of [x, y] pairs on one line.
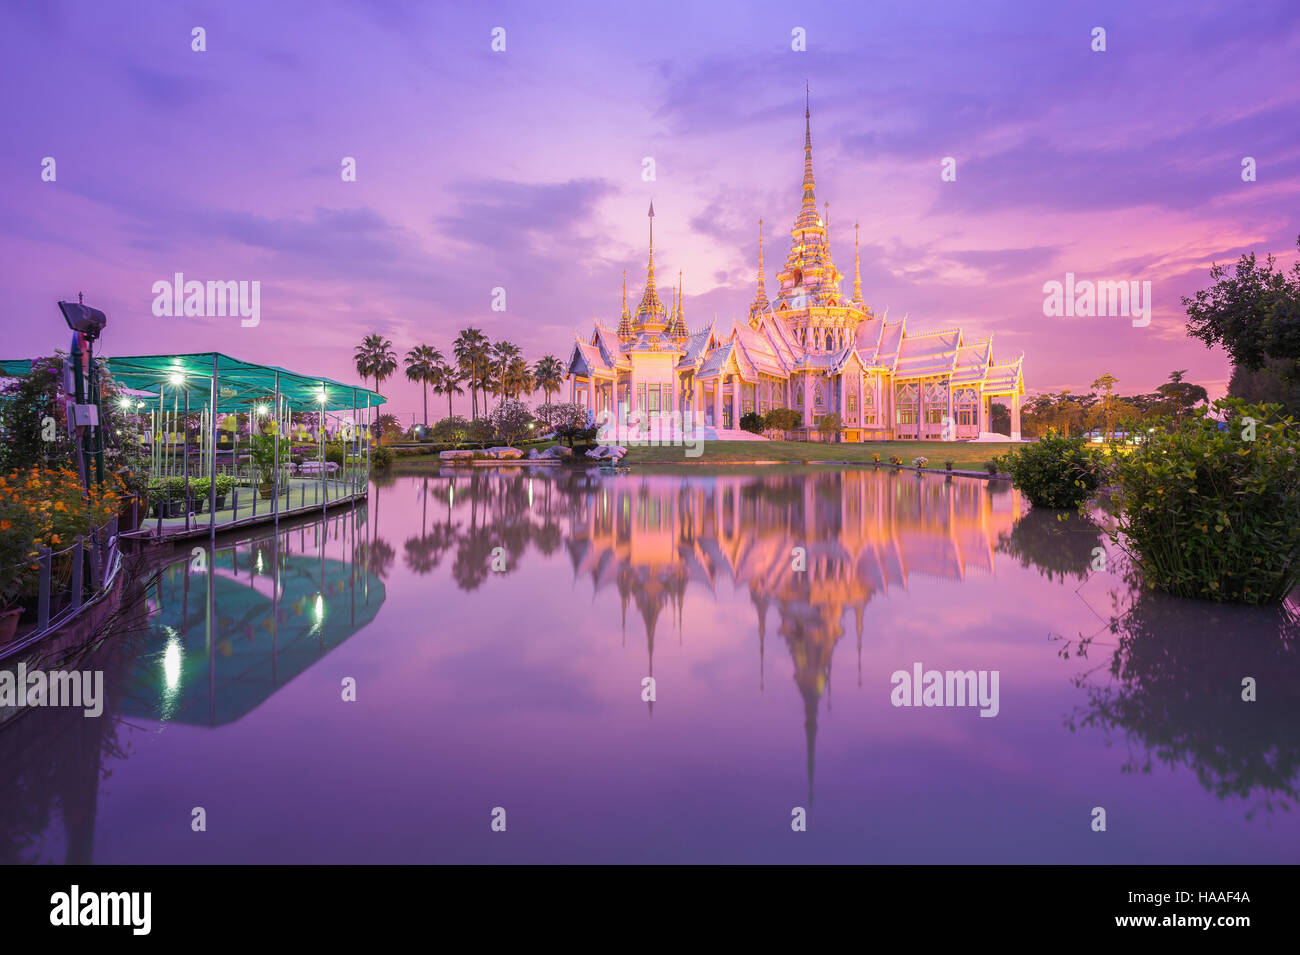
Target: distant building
[[809, 348]]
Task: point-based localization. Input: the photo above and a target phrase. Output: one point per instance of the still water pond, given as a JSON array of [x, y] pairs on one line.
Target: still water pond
[[499, 628]]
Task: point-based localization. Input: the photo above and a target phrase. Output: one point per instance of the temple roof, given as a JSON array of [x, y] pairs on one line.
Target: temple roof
[[927, 353]]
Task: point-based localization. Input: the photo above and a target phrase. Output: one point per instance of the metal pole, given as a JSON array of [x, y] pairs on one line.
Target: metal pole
[[275, 506], [212, 466], [320, 424], [185, 463]]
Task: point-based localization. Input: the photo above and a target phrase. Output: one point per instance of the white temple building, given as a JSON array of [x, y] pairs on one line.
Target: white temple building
[[808, 348]]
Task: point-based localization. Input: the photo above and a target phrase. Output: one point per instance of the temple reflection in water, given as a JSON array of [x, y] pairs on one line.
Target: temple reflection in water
[[809, 549]]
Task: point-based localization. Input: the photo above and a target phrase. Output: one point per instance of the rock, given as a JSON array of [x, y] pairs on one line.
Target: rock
[[456, 455], [617, 452], [557, 451], [506, 454], [595, 453], [533, 454]]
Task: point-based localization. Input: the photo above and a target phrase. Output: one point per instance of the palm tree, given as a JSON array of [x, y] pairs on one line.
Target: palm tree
[[519, 378], [364, 358], [549, 375], [422, 362], [502, 354], [471, 351], [446, 381]]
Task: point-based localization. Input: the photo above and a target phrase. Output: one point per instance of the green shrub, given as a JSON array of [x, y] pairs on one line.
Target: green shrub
[[335, 452], [380, 458], [947, 465], [751, 422], [1212, 513], [784, 420], [991, 465], [1052, 472]]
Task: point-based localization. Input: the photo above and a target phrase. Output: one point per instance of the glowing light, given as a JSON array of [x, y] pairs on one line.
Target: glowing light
[[173, 656], [176, 378], [262, 410]]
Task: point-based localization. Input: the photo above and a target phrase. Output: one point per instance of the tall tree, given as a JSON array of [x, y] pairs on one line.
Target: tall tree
[[502, 354], [519, 379], [471, 351], [549, 375], [447, 381], [1106, 385], [1252, 311], [1181, 396], [422, 362], [375, 359]]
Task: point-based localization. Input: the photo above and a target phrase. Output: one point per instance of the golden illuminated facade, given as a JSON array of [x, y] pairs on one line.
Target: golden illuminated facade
[[810, 348]]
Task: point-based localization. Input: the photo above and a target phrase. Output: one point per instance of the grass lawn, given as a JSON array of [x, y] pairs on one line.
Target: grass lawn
[[964, 456]]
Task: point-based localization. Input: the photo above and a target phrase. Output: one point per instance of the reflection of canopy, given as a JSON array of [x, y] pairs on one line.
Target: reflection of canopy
[[239, 383], [252, 660]]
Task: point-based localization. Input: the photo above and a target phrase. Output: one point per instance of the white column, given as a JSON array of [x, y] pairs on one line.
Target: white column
[[717, 402], [1015, 416]]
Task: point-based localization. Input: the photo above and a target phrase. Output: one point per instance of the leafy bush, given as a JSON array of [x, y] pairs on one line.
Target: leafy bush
[[335, 453], [46, 506], [1052, 472], [895, 460], [380, 458], [751, 422], [784, 420], [875, 458], [947, 465], [991, 465], [451, 430], [1213, 513], [510, 421]]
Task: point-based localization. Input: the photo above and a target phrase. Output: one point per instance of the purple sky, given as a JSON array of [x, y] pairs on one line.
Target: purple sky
[[522, 169]]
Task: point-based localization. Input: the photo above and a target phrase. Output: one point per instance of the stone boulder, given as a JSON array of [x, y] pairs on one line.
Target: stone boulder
[[506, 454], [456, 455], [557, 451]]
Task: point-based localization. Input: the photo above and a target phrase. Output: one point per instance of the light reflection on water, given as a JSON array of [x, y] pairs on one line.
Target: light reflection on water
[[771, 608]]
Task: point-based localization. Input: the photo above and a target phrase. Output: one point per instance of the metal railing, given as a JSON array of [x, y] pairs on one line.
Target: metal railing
[[94, 560]]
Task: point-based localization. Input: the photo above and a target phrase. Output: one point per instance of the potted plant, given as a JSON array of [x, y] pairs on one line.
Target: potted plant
[[875, 459], [895, 460], [920, 463], [265, 463], [947, 465]]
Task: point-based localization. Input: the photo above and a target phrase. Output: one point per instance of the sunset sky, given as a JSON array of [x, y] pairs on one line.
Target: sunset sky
[[523, 169]]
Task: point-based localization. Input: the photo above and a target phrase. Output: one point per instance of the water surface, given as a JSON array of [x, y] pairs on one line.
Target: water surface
[[499, 626]]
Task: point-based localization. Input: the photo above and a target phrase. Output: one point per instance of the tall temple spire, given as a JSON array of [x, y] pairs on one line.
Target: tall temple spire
[[809, 200], [857, 269], [651, 311], [760, 294], [625, 321], [679, 318]]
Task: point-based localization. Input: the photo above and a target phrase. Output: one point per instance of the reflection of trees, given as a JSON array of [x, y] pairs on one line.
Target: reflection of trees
[[1059, 545], [1177, 672]]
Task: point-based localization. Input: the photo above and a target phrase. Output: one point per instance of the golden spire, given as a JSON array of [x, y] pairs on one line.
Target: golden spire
[[625, 322], [760, 302], [679, 318], [808, 213], [651, 309], [857, 269]]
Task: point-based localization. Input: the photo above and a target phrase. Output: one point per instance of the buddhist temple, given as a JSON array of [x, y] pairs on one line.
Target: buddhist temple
[[810, 348]]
